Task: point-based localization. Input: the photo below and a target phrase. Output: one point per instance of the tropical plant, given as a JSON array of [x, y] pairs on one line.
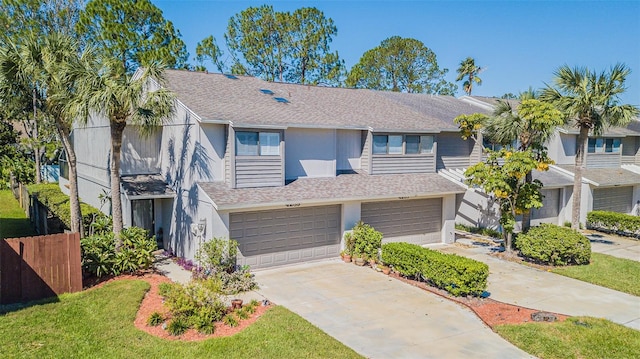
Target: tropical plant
[[503, 174], [401, 65], [124, 99], [366, 241], [217, 255], [468, 71], [591, 102], [529, 125]]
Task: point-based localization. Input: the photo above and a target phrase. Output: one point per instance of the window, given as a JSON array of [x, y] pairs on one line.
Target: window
[[603, 145], [393, 144], [257, 143]]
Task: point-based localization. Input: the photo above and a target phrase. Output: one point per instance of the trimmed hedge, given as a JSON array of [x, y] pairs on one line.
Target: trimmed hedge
[[50, 195], [620, 223], [554, 245], [455, 274]]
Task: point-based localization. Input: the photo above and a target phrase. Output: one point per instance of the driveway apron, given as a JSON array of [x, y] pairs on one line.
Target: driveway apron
[[380, 317], [614, 246], [534, 288]]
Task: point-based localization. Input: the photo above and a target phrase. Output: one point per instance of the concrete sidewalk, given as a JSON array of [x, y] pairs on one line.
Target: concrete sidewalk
[[380, 317], [533, 288], [613, 245]]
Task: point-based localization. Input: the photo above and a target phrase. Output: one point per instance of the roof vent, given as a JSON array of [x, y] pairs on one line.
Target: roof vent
[[266, 91], [281, 99], [229, 76]]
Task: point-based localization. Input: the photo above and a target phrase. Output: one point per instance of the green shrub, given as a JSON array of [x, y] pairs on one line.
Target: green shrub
[[230, 320], [217, 255], [624, 224], [178, 326], [155, 319], [204, 318], [99, 256], [243, 313], [238, 281], [554, 245], [366, 241], [50, 195], [455, 274], [198, 302], [479, 230]]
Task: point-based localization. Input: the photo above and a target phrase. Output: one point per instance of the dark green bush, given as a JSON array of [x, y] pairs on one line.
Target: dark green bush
[[366, 241], [50, 195], [624, 224], [199, 302], [99, 256], [178, 326], [554, 245], [217, 255], [479, 230], [455, 274], [155, 319]]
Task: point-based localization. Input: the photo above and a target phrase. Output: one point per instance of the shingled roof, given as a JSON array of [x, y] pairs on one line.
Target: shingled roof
[[238, 100], [444, 108], [607, 177], [326, 190]]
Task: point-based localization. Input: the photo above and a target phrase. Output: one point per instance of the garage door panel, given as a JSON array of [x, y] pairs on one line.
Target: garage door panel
[[550, 205], [616, 199], [416, 221], [286, 236]]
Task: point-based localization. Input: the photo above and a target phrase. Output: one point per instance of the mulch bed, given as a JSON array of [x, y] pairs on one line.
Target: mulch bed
[[491, 312], [152, 302]]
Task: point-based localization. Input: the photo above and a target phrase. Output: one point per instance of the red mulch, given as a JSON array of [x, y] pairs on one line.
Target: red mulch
[[490, 311], [152, 302]]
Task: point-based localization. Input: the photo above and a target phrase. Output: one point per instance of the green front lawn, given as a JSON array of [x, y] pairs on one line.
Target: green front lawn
[[578, 337], [13, 221], [607, 271], [99, 324]]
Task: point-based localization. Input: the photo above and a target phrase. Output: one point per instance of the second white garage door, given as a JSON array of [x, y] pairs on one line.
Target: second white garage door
[[415, 221], [286, 236], [616, 199]]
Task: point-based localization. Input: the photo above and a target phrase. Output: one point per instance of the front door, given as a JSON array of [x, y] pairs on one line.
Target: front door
[[142, 215]]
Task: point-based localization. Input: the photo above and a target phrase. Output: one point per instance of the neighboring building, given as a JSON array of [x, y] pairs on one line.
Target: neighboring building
[[611, 174], [611, 177]]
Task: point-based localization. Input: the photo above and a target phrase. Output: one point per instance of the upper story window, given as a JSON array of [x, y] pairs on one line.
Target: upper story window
[[257, 143], [603, 145], [402, 144]]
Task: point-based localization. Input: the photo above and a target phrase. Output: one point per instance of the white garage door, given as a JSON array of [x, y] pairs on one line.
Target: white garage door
[[415, 221], [550, 207], [285, 236], [616, 199]]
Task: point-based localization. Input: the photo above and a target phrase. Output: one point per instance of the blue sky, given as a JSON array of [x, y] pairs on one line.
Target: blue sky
[[520, 43]]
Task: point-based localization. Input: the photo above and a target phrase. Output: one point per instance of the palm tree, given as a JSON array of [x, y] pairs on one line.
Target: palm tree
[[62, 60], [124, 99], [530, 125], [591, 101], [469, 70], [21, 75]]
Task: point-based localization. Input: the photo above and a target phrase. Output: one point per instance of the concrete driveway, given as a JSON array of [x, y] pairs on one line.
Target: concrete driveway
[[614, 245], [533, 288], [380, 317]]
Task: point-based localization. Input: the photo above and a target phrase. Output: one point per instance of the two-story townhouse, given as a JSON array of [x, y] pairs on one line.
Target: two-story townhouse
[[284, 169], [611, 173]]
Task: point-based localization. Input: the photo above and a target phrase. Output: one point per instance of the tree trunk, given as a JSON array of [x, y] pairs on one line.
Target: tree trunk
[[74, 200], [470, 83], [526, 216], [36, 145], [583, 139], [117, 128]]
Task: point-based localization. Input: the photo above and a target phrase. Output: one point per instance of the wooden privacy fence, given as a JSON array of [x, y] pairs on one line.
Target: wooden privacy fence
[[40, 267]]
